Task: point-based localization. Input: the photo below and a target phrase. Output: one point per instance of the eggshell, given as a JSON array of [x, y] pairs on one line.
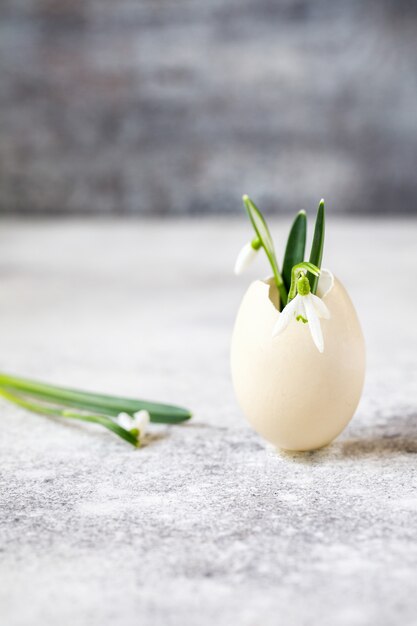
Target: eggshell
[[293, 396]]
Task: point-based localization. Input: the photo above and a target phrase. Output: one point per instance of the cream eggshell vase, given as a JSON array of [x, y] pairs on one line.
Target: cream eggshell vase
[[293, 396]]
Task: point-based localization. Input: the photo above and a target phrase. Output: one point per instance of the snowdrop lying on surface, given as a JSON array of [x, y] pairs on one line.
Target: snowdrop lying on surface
[[111, 412], [139, 423]]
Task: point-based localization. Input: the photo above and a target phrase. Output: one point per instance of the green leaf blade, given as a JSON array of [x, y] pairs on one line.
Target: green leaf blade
[[262, 231], [41, 409], [295, 249], [103, 403], [316, 254], [260, 226]]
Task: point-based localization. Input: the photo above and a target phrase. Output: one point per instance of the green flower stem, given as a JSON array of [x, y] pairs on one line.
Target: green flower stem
[[297, 271], [279, 282], [109, 405], [41, 409]]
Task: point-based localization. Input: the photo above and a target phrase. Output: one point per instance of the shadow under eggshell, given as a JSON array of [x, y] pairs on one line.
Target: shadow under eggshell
[[293, 396]]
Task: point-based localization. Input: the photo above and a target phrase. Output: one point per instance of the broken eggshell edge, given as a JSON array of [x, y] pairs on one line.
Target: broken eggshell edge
[[293, 396]]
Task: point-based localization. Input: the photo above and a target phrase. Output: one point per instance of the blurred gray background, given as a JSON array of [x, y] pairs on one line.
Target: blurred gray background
[[157, 107]]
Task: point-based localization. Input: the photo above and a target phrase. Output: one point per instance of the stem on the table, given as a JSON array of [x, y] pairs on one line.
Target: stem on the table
[[110, 405], [41, 409]]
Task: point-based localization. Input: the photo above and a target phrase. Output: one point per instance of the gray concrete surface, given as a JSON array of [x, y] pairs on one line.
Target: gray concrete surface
[[207, 524]]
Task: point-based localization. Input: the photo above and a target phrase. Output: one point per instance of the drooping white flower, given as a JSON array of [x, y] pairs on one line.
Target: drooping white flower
[[246, 257], [139, 421], [306, 308]]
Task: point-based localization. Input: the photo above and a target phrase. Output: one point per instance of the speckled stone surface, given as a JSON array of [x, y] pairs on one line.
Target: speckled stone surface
[[207, 523]]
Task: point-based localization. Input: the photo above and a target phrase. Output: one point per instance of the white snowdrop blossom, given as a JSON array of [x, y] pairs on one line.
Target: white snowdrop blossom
[[306, 308], [246, 256], [140, 421]]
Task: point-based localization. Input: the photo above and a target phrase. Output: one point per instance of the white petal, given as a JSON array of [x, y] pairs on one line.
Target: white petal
[[125, 421], [326, 283], [301, 308], [285, 317], [314, 323], [142, 419], [321, 308], [245, 257]]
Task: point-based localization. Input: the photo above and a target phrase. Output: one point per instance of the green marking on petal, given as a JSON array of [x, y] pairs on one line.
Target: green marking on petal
[[300, 318]]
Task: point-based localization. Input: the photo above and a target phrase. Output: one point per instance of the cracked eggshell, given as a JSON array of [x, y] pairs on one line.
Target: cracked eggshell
[[293, 396]]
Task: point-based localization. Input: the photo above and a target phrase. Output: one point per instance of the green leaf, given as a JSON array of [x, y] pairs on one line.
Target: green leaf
[[262, 231], [260, 226], [294, 251], [43, 409], [110, 405], [316, 255]]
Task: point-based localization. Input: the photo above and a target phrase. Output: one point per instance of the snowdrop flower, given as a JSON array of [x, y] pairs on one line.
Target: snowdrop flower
[[139, 422], [247, 255], [307, 308]]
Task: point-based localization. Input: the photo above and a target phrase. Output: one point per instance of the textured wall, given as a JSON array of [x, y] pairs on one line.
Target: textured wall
[[179, 106]]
